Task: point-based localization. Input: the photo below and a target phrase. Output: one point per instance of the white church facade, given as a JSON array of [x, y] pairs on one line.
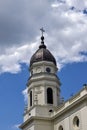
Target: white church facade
[[45, 111]]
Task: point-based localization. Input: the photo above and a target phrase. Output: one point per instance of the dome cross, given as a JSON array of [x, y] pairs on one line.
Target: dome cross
[[42, 30]]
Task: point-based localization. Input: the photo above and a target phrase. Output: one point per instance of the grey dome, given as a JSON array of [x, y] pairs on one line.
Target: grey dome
[[42, 54]]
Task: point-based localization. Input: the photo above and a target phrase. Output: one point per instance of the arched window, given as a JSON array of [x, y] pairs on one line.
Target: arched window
[[50, 96], [60, 128], [30, 98], [76, 122]]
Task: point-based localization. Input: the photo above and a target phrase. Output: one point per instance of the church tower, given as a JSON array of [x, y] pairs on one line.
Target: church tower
[[43, 89], [44, 110]]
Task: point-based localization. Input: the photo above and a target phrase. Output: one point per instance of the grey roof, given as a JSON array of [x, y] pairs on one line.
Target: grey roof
[[42, 54]]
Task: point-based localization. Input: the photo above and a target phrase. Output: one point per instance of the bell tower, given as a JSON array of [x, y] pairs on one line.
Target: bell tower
[[43, 85]]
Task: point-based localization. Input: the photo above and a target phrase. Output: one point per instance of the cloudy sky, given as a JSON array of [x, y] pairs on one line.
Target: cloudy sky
[[65, 24]]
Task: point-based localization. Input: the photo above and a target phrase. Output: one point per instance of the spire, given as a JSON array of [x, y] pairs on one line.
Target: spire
[[42, 39]]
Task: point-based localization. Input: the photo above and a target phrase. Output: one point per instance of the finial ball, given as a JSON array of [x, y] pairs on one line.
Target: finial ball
[[42, 38]]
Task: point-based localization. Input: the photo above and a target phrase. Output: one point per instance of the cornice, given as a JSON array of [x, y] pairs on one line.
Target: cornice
[[33, 118], [43, 76]]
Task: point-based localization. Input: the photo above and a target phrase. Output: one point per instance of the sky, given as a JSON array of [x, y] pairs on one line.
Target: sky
[[65, 24]]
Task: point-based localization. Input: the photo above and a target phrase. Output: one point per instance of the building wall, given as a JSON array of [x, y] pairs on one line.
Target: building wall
[[74, 117], [43, 125], [84, 117]]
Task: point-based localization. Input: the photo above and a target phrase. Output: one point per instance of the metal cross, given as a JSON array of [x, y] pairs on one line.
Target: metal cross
[[42, 30]]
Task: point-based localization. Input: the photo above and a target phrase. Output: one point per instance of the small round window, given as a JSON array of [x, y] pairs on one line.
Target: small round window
[[48, 69], [76, 122]]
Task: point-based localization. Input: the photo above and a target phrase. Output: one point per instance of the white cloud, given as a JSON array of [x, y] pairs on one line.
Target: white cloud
[[16, 127], [79, 4], [13, 57], [65, 36]]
